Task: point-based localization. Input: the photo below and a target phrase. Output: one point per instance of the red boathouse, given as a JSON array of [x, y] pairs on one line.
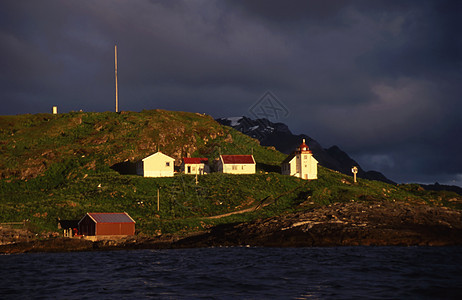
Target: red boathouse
[[93, 224]]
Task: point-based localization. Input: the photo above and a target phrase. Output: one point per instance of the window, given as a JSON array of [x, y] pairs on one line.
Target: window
[[167, 164], [234, 167], [304, 156]]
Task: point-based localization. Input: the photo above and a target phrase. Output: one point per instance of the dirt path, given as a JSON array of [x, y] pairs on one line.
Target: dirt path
[[234, 213], [265, 202]]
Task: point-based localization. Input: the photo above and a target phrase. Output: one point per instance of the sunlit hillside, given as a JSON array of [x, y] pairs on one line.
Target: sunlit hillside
[[62, 166]]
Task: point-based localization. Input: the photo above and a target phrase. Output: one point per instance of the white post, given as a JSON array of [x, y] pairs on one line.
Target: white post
[[354, 170], [55, 110]]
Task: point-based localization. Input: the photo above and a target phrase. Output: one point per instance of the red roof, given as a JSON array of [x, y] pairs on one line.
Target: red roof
[[195, 160], [304, 147], [111, 217], [238, 159]]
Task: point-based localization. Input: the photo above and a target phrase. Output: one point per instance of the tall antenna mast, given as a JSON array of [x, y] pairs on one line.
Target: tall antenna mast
[[116, 87]]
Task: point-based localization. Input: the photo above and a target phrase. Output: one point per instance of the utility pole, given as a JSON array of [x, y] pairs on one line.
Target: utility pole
[[116, 87]]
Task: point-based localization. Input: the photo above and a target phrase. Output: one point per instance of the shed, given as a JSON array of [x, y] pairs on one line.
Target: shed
[[237, 164], [107, 224], [156, 165]]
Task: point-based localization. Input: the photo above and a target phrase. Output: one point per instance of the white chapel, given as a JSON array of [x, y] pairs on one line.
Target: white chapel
[[301, 163]]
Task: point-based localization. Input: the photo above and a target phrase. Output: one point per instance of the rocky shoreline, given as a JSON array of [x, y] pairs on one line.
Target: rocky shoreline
[[374, 223]]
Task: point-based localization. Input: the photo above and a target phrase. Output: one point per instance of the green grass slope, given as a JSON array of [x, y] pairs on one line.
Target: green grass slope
[[31, 144], [59, 167]]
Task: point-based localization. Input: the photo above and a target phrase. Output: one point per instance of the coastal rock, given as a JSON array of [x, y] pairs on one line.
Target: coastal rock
[[365, 223], [48, 245], [343, 224]]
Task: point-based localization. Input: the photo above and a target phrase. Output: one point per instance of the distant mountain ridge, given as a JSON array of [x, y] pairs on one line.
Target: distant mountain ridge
[[442, 187], [279, 136]]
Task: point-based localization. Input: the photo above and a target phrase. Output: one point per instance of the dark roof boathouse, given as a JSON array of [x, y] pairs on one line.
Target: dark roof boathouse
[[93, 224]]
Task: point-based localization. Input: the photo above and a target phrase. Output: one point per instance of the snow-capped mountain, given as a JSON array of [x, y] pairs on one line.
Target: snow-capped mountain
[[279, 136]]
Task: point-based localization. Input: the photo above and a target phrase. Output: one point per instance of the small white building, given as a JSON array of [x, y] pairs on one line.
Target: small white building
[[301, 163], [195, 165], [237, 164], [156, 165]]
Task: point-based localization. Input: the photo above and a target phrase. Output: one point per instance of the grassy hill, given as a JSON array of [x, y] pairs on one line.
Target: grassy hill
[[59, 166], [33, 144]]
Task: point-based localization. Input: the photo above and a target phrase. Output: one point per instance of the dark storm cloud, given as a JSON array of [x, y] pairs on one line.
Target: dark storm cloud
[[428, 45], [379, 78], [329, 13]]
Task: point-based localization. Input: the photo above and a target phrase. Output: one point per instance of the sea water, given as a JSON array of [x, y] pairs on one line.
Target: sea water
[[237, 273]]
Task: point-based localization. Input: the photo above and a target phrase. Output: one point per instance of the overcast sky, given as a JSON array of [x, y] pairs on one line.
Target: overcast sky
[[380, 79]]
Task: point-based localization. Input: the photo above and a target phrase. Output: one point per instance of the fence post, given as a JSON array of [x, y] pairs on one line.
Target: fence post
[[158, 199]]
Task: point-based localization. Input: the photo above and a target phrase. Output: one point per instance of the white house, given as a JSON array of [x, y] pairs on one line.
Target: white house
[[195, 165], [236, 164], [156, 165], [301, 163]]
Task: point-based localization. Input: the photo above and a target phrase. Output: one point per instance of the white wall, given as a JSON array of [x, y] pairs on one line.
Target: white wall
[[196, 169], [304, 166], [238, 168], [156, 165]]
